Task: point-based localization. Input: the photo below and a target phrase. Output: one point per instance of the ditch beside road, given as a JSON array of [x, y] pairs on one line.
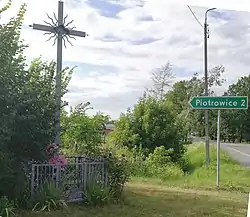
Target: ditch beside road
[[237, 151]]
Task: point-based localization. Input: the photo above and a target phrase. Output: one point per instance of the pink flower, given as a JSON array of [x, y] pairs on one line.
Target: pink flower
[[58, 160], [52, 149]]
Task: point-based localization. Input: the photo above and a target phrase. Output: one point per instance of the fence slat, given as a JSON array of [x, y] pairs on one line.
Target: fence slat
[[32, 183], [74, 176]]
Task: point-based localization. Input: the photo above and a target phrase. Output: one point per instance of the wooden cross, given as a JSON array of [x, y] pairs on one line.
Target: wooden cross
[[61, 32]]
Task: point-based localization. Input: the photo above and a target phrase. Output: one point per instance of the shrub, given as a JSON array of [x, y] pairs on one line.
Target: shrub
[[160, 156], [13, 180], [6, 207], [165, 172], [96, 192], [118, 174], [48, 197], [135, 158], [157, 164], [7, 178], [22, 200]]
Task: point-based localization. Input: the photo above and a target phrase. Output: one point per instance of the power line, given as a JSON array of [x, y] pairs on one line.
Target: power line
[[194, 16]]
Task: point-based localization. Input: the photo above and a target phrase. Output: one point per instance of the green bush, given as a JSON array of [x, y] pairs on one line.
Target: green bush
[[6, 207], [157, 164], [7, 176], [96, 192], [165, 172], [13, 181], [48, 197], [118, 173], [160, 156], [23, 198], [135, 158]]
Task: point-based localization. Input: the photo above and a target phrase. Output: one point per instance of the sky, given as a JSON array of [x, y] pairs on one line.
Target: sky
[[128, 39]]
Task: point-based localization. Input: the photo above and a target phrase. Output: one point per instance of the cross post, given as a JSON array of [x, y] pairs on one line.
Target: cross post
[[60, 32]]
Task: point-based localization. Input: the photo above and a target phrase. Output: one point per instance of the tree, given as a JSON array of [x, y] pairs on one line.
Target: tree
[[12, 64], [27, 107], [34, 123], [150, 124], [162, 79], [238, 121], [83, 134], [183, 91]]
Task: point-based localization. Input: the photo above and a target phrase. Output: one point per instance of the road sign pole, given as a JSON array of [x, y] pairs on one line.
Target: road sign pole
[[218, 151], [219, 103]]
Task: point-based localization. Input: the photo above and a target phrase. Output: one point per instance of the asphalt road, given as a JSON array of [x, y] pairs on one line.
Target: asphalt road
[[239, 152]]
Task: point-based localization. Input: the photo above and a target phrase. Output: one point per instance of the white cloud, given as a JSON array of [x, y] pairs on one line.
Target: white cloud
[[240, 5], [181, 44]]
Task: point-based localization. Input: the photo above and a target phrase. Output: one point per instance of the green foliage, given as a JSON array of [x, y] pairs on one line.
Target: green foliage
[[48, 197], [160, 156], [11, 67], [6, 7], [27, 107], [159, 164], [6, 207], [83, 132], [13, 181], [150, 124], [236, 122], [96, 192], [118, 174], [189, 121], [156, 164], [200, 176]]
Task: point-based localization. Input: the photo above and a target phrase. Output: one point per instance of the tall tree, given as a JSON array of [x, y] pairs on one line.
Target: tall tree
[[27, 106], [183, 91], [238, 121], [162, 79]]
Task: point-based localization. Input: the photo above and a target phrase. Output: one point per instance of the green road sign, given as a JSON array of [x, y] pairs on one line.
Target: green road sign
[[221, 102]]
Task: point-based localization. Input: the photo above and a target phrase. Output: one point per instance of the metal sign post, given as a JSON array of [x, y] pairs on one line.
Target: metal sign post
[[218, 151], [219, 103]]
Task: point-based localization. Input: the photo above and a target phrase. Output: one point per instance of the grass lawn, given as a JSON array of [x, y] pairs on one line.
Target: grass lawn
[[151, 200], [232, 175], [194, 194]]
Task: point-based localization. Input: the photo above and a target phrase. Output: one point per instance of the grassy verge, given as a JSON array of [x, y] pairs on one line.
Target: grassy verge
[[193, 194], [232, 175], [152, 200]]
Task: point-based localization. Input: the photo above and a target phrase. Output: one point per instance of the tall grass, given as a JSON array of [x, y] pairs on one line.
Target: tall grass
[[157, 164], [191, 171], [232, 175]]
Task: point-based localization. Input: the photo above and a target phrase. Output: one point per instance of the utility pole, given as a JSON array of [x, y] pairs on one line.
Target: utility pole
[[206, 36], [61, 32]]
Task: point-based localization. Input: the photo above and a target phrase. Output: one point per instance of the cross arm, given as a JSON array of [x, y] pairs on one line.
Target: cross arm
[[43, 27], [77, 33]]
